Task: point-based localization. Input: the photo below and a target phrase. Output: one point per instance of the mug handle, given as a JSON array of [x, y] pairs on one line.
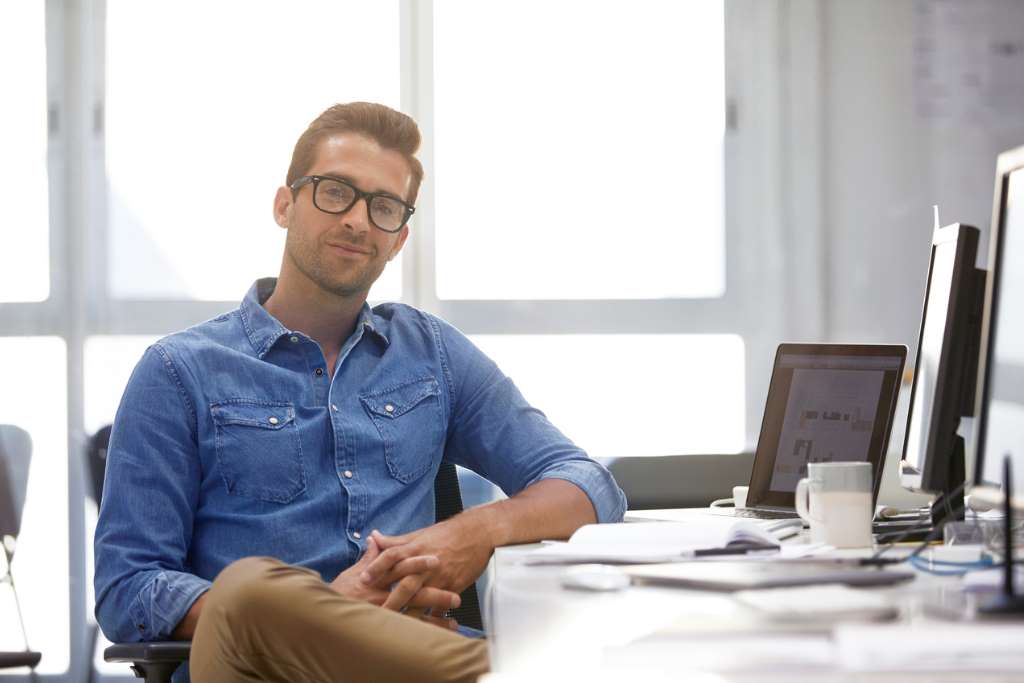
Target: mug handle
[[802, 506]]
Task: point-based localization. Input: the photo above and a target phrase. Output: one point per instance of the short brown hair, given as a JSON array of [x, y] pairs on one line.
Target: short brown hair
[[388, 128]]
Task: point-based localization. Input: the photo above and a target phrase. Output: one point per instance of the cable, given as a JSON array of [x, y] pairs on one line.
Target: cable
[[876, 559], [948, 568]]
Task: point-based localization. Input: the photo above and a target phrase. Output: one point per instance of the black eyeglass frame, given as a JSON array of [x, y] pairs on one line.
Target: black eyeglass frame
[[359, 194]]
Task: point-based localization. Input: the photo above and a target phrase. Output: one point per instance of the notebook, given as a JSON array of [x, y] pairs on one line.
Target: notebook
[[656, 542]]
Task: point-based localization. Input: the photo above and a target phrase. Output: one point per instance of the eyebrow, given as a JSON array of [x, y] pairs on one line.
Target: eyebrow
[[350, 181]]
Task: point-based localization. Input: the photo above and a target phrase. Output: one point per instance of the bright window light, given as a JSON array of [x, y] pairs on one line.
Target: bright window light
[[622, 395], [34, 371], [579, 149], [199, 139], [25, 258]]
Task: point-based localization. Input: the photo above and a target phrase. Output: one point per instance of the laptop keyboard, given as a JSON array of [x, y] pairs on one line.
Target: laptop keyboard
[[753, 513]]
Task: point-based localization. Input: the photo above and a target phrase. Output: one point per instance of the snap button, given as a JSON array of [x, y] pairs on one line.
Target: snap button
[[318, 371], [273, 420], [294, 340], [356, 534], [389, 408], [348, 474], [334, 407]]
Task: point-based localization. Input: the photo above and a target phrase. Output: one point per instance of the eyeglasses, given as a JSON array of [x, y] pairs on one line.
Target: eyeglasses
[[336, 196]]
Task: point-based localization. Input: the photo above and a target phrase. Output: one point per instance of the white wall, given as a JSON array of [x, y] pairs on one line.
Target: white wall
[[883, 166]]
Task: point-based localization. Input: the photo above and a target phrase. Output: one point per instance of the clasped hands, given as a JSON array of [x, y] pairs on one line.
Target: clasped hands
[[421, 572]]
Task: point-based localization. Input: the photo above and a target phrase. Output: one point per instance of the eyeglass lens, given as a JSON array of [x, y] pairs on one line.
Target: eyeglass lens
[[337, 197]]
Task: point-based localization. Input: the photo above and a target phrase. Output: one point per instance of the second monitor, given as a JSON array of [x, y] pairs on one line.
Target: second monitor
[[945, 371]]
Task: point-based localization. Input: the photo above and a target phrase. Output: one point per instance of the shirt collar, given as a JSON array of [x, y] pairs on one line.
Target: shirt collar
[[263, 329]]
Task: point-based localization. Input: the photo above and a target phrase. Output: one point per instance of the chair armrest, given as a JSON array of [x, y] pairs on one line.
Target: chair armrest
[[156, 652], [153, 662], [10, 660]]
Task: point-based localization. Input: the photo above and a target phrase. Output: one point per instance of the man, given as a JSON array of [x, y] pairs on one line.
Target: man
[[306, 427]]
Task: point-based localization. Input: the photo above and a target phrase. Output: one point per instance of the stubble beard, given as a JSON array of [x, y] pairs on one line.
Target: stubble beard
[[347, 282]]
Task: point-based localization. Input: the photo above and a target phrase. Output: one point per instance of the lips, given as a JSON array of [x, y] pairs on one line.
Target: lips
[[349, 248]]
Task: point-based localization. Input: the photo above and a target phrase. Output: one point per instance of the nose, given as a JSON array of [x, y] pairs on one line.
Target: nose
[[357, 218]]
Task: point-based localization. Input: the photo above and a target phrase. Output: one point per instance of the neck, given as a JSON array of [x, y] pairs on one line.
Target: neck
[[326, 317]]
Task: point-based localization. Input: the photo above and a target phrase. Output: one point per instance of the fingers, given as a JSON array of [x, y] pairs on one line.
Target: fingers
[[436, 599], [421, 564], [384, 563], [449, 624], [386, 542], [404, 591], [372, 552]]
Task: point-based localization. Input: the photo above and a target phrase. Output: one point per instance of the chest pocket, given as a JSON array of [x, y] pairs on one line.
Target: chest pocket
[[258, 449], [411, 425]]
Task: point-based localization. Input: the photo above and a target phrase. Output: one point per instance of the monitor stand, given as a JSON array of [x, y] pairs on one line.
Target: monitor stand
[[1008, 603], [948, 506]]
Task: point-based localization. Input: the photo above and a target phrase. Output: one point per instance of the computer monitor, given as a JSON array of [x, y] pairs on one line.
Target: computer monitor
[[1000, 394], [945, 371]]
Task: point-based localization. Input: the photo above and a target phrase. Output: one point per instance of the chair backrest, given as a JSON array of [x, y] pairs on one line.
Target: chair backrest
[[448, 503], [15, 458], [97, 461], [680, 481]]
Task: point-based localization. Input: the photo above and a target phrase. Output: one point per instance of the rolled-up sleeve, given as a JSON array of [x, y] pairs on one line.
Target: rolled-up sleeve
[[143, 587], [497, 434]]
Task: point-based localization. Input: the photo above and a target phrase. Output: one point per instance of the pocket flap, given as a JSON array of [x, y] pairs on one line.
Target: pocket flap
[[400, 400], [264, 414]]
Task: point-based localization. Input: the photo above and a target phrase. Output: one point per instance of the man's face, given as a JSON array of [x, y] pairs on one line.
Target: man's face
[[343, 254]]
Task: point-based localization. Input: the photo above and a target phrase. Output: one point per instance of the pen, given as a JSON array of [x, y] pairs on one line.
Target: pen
[[734, 549]]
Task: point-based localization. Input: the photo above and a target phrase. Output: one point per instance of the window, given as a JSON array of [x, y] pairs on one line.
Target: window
[[571, 220], [579, 214], [25, 261], [621, 395], [602, 160], [35, 398], [199, 140]]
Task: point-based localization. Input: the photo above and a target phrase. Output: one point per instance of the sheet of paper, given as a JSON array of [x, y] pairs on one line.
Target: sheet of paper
[[631, 543]]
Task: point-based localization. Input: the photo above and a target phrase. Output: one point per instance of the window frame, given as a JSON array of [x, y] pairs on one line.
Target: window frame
[[773, 99]]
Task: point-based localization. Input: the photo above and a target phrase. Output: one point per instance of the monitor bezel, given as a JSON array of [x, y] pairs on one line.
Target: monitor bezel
[[939, 438], [1007, 163]]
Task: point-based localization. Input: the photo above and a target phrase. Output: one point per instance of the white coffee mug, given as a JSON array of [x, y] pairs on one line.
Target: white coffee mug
[[835, 499]]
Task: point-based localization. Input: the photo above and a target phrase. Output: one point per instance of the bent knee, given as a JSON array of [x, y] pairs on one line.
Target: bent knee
[[253, 585]]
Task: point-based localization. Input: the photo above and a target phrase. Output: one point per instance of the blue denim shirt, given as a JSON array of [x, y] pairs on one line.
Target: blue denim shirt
[[232, 440]]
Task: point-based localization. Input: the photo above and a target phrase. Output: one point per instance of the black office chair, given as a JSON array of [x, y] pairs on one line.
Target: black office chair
[[15, 457], [156, 661]]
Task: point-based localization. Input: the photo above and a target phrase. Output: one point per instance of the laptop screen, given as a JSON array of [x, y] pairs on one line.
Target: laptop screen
[[826, 403]]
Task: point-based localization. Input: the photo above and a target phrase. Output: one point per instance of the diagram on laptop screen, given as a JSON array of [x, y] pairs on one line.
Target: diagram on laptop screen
[[830, 415]]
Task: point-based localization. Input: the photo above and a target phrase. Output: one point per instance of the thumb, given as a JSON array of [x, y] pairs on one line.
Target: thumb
[[371, 553]]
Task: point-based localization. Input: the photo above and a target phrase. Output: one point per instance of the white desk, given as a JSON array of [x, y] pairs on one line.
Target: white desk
[[541, 631]]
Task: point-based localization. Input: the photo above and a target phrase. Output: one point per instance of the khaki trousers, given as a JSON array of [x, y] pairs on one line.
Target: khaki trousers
[[264, 620]]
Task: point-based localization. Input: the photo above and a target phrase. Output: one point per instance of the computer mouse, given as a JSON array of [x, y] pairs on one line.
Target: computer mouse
[[594, 577]]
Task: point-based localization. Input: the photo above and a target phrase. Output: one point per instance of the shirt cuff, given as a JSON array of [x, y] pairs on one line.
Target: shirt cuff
[[164, 602], [597, 482]]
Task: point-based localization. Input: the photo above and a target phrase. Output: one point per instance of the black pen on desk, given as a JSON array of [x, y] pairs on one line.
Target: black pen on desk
[[735, 549]]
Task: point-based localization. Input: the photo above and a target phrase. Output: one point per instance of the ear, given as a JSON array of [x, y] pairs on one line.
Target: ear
[[283, 201], [403, 235]]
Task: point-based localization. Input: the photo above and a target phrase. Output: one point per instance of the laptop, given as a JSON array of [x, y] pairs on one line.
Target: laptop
[[826, 403]]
